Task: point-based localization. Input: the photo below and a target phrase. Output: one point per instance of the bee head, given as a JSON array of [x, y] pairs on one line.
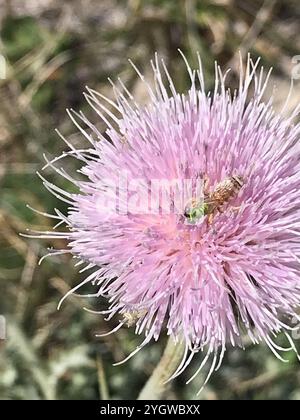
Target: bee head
[[196, 212]]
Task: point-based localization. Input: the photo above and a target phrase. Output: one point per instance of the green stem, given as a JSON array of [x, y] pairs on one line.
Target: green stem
[[156, 388]]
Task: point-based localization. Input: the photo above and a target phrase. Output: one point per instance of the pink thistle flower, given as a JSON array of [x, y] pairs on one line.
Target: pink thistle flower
[[207, 281]]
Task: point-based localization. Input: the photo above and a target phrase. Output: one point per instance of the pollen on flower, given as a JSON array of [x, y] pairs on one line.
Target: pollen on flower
[[207, 272]]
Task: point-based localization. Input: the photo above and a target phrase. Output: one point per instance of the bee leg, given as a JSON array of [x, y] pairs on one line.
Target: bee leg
[[206, 184], [210, 218]]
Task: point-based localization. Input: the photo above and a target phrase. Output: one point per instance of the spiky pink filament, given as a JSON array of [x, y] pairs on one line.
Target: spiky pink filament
[[207, 284]]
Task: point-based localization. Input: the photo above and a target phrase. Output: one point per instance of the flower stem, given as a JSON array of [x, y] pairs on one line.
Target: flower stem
[[156, 388]]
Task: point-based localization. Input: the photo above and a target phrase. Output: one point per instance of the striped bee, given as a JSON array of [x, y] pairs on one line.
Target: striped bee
[[223, 192]]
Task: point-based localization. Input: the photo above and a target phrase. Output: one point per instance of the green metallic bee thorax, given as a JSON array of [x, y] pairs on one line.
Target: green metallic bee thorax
[[196, 212]]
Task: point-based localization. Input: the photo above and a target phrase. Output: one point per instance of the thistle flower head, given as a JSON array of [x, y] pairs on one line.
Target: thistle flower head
[[230, 266]]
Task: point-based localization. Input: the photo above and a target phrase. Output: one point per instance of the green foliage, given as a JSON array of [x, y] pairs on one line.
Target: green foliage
[[20, 35]]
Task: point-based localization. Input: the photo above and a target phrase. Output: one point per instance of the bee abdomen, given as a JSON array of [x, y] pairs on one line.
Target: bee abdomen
[[226, 189]]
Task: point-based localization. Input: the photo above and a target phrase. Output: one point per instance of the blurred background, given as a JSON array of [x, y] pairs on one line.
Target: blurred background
[[52, 49]]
